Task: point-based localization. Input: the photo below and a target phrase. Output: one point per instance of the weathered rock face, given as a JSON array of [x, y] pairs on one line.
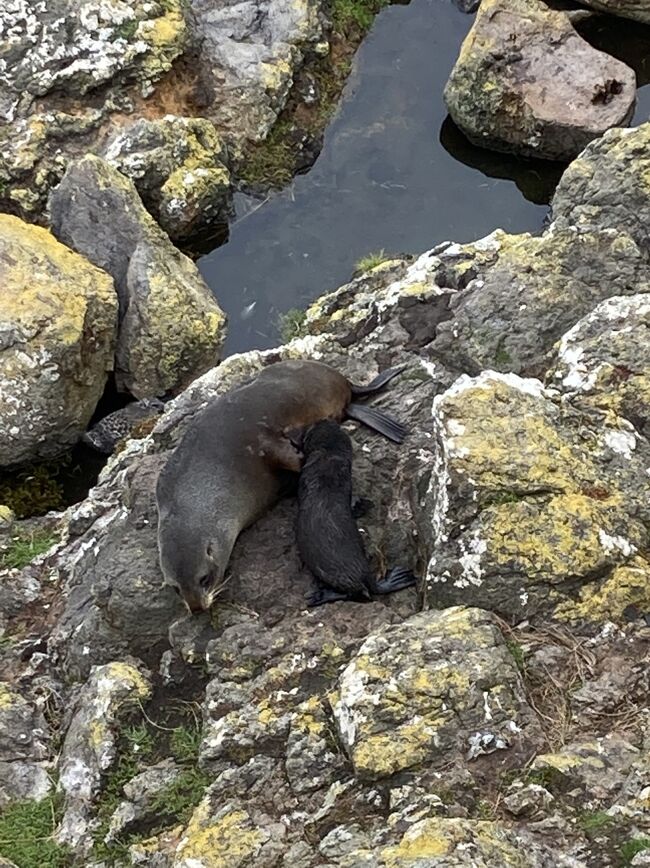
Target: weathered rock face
[[171, 327], [581, 487], [178, 167], [74, 73], [24, 751], [637, 10], [598, 190], [248, 54], [526, 83], [58, 319], [89, 746], [111, 49]]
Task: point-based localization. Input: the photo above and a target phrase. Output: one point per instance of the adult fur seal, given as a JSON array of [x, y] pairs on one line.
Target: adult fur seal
[[329, 541], [230, 466]]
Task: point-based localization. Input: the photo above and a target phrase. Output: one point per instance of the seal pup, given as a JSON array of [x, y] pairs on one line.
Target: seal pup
[[329, 541], [231, 465], [107, 433]]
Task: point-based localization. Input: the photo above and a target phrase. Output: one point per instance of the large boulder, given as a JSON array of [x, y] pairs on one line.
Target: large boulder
[[525, 82], [58, 319], [602, 189], [178, 168], [171, 327]]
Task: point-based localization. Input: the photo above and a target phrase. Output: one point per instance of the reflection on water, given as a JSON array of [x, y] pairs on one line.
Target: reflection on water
[[392, 175]]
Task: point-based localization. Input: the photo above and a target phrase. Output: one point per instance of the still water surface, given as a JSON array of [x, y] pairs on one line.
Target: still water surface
[[394, 174]]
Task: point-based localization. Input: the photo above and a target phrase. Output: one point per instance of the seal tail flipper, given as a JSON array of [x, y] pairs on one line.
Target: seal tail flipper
[[378, 421], [378, 383], [395, 580]]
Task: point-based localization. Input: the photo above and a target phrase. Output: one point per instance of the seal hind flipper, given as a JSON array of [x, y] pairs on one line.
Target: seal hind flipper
[[395, 580], [378, 420], [378, 383]]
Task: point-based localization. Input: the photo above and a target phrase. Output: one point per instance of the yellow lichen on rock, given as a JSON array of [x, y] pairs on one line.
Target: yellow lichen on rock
[[627, 587], [61, 312], [225, 841]]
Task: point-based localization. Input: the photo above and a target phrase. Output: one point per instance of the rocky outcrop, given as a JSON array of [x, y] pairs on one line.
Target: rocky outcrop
[[171, 327], [58, 319], [73, 74], [498, 712], [637, 10], [178, 166], [526, 83]]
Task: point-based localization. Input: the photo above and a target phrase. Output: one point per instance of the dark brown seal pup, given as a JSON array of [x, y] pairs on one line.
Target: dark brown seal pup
[[329, 541], [230, 466]]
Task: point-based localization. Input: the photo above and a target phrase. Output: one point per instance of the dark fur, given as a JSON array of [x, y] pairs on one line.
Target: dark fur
[[329, 541]]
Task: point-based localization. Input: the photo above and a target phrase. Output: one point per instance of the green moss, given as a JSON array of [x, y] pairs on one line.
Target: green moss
[[592, 822], [33, 490], [126, 30], [184, 743], [291, 324], [546, 777], [26, 830], [351, 15], [502, 357], [630, 848], [24, 548], [372, 260], [175, 803], [518, 654]]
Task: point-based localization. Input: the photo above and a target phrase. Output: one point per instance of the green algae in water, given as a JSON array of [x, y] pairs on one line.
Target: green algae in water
[[26, 834]]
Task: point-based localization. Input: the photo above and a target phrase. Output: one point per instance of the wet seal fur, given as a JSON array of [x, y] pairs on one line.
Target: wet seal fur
[[329, 541], [232, 464]]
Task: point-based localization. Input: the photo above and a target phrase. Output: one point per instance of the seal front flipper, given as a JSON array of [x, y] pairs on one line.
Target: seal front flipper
[[378, 421], [279, 451], [395, 580]]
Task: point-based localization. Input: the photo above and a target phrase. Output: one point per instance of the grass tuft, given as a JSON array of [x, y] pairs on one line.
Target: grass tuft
[[26, 834], [22, 549], [291, 324], [372, 260], [630, 849]]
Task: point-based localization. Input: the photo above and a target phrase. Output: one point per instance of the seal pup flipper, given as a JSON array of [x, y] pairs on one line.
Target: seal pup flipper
[[325, 595], [395, 580], [379, 421], [378, 383]]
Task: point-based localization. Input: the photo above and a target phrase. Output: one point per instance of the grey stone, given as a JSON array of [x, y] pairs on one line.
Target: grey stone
[[97, 211], [526, 82]]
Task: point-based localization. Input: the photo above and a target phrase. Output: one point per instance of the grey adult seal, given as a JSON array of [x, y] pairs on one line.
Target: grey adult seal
[[329, 541], [230, 466]]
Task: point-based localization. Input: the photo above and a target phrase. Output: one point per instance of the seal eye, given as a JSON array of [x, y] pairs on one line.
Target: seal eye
[[206, 582]]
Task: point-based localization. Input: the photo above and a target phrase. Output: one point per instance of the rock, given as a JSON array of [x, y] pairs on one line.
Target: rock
[[178, 166], [224, 836], [526, 83], [510, 527], [603, 362], [97, 211], [248, 54], [67, 69], [58, 317], [637, 10], [140, 793], [400, 701], [107, 433], [531, 800], [451, 843], [601, 188], [7, 520], [89, 746], [24, 740], [598, 767]]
